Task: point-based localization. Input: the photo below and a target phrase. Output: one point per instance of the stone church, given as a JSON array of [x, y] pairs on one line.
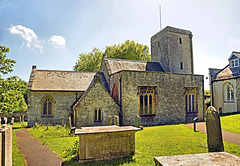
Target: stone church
[[163, 91]]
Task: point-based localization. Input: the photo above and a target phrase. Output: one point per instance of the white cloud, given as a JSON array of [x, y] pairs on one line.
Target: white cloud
[[58, 41], [29, 36]]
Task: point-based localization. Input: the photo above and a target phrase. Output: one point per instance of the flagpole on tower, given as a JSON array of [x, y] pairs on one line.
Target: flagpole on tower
[[160, 17]]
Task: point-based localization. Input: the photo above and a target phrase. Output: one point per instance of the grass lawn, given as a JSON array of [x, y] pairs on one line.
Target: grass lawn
[[231, 123], [150, 142], [17, 157]]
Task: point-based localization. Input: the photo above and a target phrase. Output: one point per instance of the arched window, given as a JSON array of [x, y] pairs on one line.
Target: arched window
[[115, 94], [191, 100], [47, 106], [229, 92], [146, 100]]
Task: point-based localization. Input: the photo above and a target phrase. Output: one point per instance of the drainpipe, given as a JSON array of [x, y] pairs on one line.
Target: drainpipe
[[121, 113]]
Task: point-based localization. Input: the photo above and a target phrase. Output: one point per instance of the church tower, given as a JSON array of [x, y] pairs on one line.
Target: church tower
[[172, 48]]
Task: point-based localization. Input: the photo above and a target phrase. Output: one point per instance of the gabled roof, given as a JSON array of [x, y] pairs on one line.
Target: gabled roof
[[234, 53], [225, 73], [56, 80], [116, 65]]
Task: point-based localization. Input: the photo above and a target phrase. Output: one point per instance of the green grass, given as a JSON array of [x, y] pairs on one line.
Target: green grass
[[150, 142], [17, 157], [231, 123]]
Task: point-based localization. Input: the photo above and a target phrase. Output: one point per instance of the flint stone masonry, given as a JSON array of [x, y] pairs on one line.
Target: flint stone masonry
[[62, 106], [202, 159], [106, 142], [169, 97], [214, 131]]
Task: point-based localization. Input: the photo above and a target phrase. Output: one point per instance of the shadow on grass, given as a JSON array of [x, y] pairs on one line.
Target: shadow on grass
[[228, 114], [119, 161]]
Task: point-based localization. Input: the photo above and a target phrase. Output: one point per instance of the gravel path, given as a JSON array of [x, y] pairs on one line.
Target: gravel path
[[227, 135], [35, 153]]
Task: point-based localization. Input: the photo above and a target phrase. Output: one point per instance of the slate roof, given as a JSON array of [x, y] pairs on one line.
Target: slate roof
[[56, 80], [116, 65]]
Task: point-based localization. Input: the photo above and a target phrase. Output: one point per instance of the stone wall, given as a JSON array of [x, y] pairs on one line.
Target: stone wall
[[63, 102], [97, 97], [173, 47], [6, 146], [169, 97]]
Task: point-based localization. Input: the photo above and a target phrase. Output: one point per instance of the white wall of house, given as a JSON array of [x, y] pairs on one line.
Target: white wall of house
[[222, 98]]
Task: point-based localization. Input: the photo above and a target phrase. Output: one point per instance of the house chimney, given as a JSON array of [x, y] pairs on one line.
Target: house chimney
[[34, 67]]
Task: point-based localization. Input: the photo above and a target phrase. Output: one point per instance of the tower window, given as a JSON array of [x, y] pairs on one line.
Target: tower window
[[181, 66], [180, 40], [158, 44]]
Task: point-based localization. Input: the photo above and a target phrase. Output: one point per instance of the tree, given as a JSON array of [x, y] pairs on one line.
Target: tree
[[6, 65], [89, 61], [12, 89], [128, 50], [12, 95]]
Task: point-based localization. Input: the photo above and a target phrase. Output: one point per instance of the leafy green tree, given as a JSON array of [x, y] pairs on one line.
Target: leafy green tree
[[128, 50], [12, 95], [89, 61], [12, 89], [6, 65]]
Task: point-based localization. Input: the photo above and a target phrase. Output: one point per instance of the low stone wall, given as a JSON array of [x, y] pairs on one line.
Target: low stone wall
[[6, 145]]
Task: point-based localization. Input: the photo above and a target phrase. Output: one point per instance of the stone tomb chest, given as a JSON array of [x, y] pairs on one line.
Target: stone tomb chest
[[106, 142]]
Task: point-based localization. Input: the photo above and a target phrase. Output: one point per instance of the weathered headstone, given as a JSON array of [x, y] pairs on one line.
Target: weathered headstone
[[36, 122], [20, 119], [23, 118], [5, 120], [116, 120], [69, 122], [137, 121], [110, 120], [62, 120], [214, 131], [12, 121]]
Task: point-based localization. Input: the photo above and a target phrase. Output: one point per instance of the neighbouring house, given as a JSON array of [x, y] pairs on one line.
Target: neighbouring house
[[163, 91], [225, 84]]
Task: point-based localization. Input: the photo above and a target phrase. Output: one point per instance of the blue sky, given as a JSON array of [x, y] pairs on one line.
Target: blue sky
[[51, 33]]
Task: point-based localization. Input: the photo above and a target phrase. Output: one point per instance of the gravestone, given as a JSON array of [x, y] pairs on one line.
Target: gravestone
[[20, 119], [12, 121], [5, 120], [137, 121], [36, 122], [69, 121], [214, 131], [0, 122], [116, 120], [62, 120], [110, 120], [23, 118]]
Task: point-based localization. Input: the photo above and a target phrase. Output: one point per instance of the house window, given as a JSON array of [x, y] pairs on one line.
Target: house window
[[234, 63], [191, 100], [97, 115], [230, 93], [146, 100], [47, 106]]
